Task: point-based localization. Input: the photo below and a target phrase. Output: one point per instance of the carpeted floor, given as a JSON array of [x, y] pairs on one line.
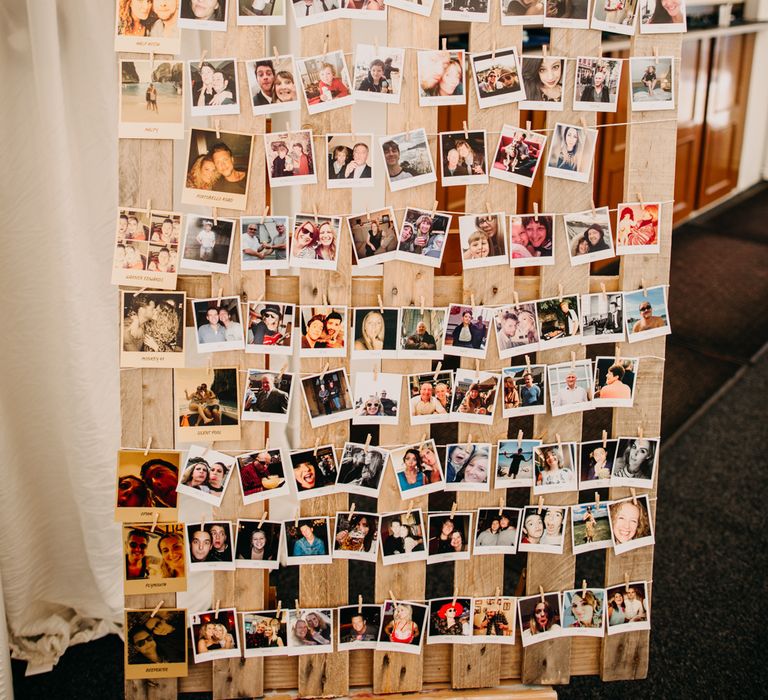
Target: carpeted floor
[[709, 604]]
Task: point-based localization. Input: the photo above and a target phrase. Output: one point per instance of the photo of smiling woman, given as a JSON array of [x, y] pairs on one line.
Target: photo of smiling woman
[[584, 612], [148, 26], [662, 16], [543, 80], [314, 471], [631, 524], [539, 617], [208, 15]]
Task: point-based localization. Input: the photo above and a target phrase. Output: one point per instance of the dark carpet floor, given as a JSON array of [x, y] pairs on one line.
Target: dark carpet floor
[[710, 599]]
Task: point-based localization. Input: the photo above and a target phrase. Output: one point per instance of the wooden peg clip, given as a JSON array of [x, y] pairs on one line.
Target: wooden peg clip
[[392, 596], [279, 609], [156, 608], [594, 212], [477, 369], [541, 593], [501, 504], [634, 495], [455, 595], [410, 507], [519, 439], [469, 441], [381, 303], [617, 355], [640, 199], [544, 50], [288, 128], [154, 521], [453, 509], [296, 519], [541, 504], [466, 130], [202, 58], [445, 44], [323, 373], [582, 121], [527, 124], [352, 510], [516, 297], [493, 50], [314, 209], [217, 126], [559, 443], [602, 290], [605, 439], [656, 55], [296, 604], [488, 209], [559, 292], [221, 293], [434, 206], [275, 53], [626, 582], [135, 294], [437, 371], [264, 214], [573, 359], [536, 211], [422, 306], [528, 363], [216, 609], [583, 587], [640, 431], [266, 443], [264, 516], [325, 44], [359, 603], [597, 498], [317, 444], [149, 444], [367, 442], [472, 299], [151, 62]]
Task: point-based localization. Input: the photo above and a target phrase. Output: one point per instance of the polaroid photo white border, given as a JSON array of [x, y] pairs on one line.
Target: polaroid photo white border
[[249, 265], [510, 132], [616, 402], [560, 341], [314, 18], [525, 482], [526, 637], [503, 512], [423, 628], [336, 417], [381, 258], [630, 626], [590, 149], [256, 652], [223, 346], [334, 102], [652, 105], [193, 566], [422, 258], [467, 228], [283, 489], [398, 453], [625, 445], [636, 542], [468, 16], [451, 556], [645, 295], [507, 97], [475, 486], [623, 247], [609, 445], [265, 416], [254, 89], [594, 545], [147, 358], [625, 28], [538, 409], [316, 263], [264, 564], [558, 408], [345, 487], [556, 548], [613, 102], [262, 349], [341, 183], [358, 610], [296, 649], [579, 630], [210, 25], [662, 28], [211, 457], [418, 136], [439, 603], [531, 260], [598, 217], [374, 354], [361, 555], [205, 265], [520, 20], [586, 303], [516, 351], [149, 129], [547, 105], [484, 313], [437, 353], [261, 20], [395, 559], [381, 98], [567, 22], [311, 458], [233, 653], [293, 180], [382, 379], [293, 560], [475, 377], [571, 483], [146, 44], [324, 352], [496, 602], [213, 110], [424, 10], [476, 179]]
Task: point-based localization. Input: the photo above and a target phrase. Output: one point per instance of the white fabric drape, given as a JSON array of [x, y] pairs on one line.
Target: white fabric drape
[[60, 549]]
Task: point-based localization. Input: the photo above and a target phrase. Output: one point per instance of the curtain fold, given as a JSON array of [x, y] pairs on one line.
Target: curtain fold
[[60, 553]]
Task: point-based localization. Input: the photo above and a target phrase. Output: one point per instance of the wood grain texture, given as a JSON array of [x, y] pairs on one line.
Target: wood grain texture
[[650, 172]]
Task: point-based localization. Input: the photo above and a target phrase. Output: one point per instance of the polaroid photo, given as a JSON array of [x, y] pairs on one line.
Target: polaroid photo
[[450, 619], [558, 320], [142, 28], [374, 237], [377, 398], [309, 12], [375, 332], [213, 87], [494, 620], [524, 390], [474, 396], [615, 381], [590, 527], [205, 474], [349, 161], [463, 158], [652, 83], [518, 155], [464, 11], [152, 329], [543, 79], [264, 242], [371, 10], [516, 329], [307, 540], [543, 531], [617, 17], [483, 240], [327, 397], [497, 78], [272, 84], [147, 249], [262, 475], [206, 406], [628, 607], [423, 236], [356, 536], [408, 159], [531, 240], [153, 558], [646, 313], [204, 15], [402, 537], [218, 164], [584, 612], [571, 153], [589, 235], [496, 531], [378, 74], [211, 546], [539, 617], [316, 242], [422, 333], [417, 469], [596, 461], [554, 468], [637, 228], [571, 387], [325, 81], [324, 331], [208, 244], [522, 12], [218, 324], [314, 471], [270, 328], [151, 102], [146, 486], [290, 158], [403, 624], [636, 461], [568, 15], [467, 330], [215, 635], [449, 536], [265, 633], [361, 469], [467, 466], [155, 643], [254, 13], [514, 463], [267, 396], [631, 524], [358, 627], [418, 7], [602, 318], [662, 17], [258, 544], [310, 631], [596, 86]]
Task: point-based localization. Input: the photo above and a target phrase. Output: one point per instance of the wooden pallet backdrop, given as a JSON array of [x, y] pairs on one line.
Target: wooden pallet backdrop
[[146, 173]]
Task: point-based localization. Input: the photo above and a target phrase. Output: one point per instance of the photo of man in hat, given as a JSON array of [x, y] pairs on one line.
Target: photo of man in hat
[[266, 325]]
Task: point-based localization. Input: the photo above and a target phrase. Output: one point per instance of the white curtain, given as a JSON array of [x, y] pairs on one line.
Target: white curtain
[[59, 549]]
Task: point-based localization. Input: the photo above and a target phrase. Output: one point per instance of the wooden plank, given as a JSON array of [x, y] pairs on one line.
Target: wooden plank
[[549, 662], [650, 170]]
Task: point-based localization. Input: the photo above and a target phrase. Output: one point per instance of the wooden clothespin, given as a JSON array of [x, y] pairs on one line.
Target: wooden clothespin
[[279, 608], [151, 62], [498, 591], [559, 292], [453, 509], [466, 130], [325, 369], [573, 359], [527, 124], [422, 306], [206, 448], [501, 504], [221, 292], [314, 209], [493, 50], [634, 495], [296, 604], [410, 507], [602, 290], [455, 595], [266, 444], [582, 121], [656, 55], [640, 199], [597, 498], [469, 441], [626, 582], [359, 603], [528, 364], [477, 369], [149, 444], [541, 593], [376, 43], [594, 212], [296, 519], [215, 213], [617, 355], [317, 444], [541, 504], [216, 609], [325, 44], [445, 44], [640, 431], [149, 206], [488, 209], [559, 444], [544, 50], [381, 303], [264, 516], [264, 214], [583, 587], [515, 297], [202, 522], [288, 128], [352, 510], [434, 209], [375, 373], [217, 126], [367, 442], [605, 439], [643, 287], [202, 58], [154, 521], [519, 438], [156, 608], [536, 211], [392, 596], [259, 300], [135, 294], [275, 53], [423, 440], [472, 299]]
